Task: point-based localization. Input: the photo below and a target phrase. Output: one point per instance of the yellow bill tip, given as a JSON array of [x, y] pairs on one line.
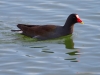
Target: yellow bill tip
[[82, 22]]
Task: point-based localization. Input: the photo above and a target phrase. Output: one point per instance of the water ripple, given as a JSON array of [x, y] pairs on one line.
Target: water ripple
[[76, 55]]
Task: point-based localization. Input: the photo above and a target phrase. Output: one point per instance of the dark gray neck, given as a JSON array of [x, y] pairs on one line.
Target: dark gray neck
[[69, 27]]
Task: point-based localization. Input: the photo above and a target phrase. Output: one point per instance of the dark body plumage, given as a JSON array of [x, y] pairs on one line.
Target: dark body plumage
[[44, 32]]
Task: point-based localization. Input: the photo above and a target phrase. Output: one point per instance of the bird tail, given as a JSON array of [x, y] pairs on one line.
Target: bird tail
[[15, 30]]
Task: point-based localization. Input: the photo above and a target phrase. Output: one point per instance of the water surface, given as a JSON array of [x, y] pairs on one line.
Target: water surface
[[77, 55]]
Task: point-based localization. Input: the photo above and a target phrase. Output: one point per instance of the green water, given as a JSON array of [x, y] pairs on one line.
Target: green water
[[78, 54]]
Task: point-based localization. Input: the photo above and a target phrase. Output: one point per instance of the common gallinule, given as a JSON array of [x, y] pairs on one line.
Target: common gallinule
[[44, 32]]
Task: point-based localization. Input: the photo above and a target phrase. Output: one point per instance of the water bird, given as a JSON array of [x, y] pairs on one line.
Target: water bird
[[45, 32]]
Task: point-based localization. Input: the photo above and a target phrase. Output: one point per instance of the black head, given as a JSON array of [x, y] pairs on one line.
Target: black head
[[72, 19]]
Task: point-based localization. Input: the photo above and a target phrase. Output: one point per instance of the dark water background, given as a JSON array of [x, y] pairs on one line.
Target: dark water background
[[78, 55]]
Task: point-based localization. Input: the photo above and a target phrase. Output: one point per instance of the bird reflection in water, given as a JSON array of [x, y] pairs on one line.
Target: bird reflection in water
[[69, 44]]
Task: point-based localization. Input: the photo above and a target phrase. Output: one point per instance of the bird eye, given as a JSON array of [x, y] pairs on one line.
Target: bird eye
[[73, 17]]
